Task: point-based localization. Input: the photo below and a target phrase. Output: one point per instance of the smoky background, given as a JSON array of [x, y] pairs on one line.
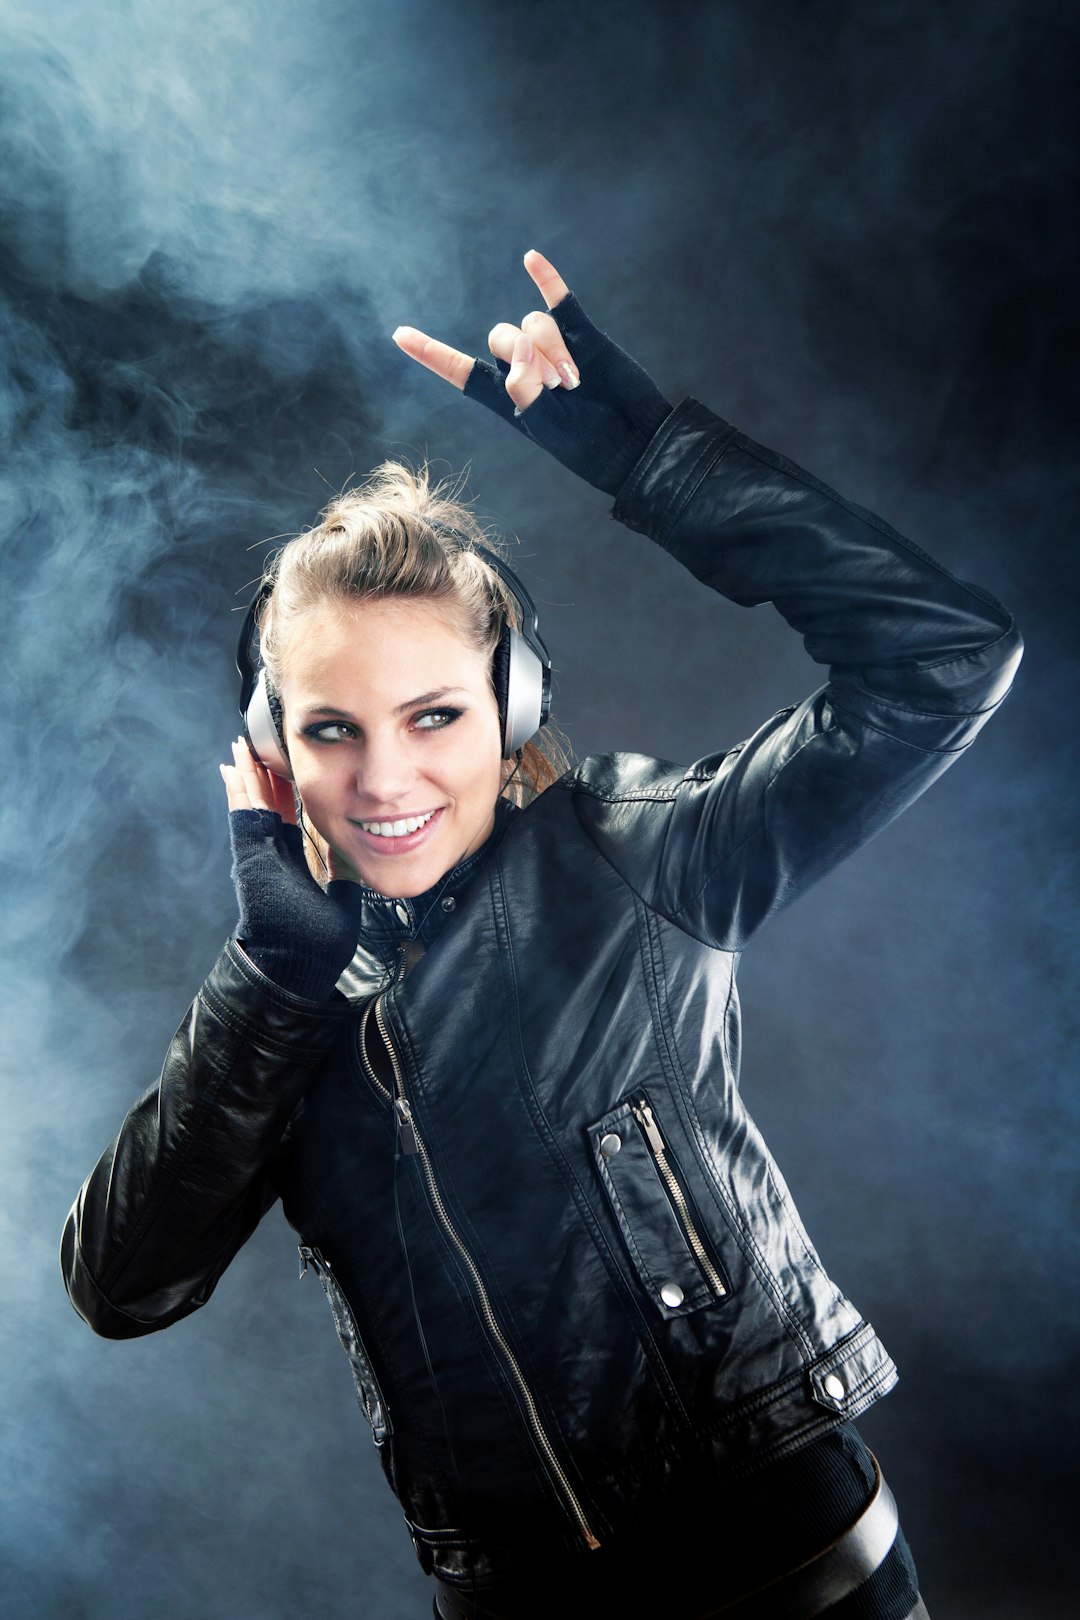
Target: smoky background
[[848, 229]]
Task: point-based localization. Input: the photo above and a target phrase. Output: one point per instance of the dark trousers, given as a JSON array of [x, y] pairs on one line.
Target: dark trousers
[[450, 1605], [813, 1533]]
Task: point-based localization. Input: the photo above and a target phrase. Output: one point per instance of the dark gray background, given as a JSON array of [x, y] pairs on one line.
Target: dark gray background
[[847, 229]]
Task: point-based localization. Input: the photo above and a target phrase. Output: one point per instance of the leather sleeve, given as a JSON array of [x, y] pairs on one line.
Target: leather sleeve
[[917, 662], [186, 1181]]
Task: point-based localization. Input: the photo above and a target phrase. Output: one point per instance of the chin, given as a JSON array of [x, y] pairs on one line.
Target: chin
[[400, 880]]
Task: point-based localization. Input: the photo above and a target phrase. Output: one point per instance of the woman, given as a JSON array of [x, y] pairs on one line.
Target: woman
[[489, 1060]]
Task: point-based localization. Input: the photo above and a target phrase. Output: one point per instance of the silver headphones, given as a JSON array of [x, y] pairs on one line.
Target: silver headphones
[[521, 671]]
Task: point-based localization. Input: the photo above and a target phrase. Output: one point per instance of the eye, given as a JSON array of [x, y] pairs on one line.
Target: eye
[[436, 719], [330, 731]]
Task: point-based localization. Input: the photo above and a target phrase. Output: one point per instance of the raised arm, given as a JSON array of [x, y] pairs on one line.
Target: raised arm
[[917, 660]]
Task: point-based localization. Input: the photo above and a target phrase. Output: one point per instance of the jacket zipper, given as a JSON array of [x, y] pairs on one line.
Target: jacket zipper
[[644, 1115], [368, 1068], [413, 1143]]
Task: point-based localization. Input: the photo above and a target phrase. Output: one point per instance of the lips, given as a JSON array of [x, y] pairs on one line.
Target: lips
[[393, 843]]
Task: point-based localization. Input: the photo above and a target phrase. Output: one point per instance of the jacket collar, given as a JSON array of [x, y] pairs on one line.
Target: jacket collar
[[384, 922]]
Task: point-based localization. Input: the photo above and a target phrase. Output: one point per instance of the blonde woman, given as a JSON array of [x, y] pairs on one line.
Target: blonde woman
[[478, 1027]]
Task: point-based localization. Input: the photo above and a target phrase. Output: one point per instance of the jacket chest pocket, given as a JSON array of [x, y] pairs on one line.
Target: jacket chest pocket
[[661, 1228], [367, 1385]]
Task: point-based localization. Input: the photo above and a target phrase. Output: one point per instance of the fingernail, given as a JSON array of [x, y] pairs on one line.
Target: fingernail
[[551, 376], [569, 374]]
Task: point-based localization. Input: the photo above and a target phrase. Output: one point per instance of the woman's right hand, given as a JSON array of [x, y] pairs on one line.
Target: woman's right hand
[[295, 932], [250, 786]]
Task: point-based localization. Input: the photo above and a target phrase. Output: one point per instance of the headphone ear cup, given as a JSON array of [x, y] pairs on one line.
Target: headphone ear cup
[[500, 676], [527, 692], [264, 727]]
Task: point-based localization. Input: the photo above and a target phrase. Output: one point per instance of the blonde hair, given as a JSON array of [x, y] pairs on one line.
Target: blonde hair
[[400, 534]]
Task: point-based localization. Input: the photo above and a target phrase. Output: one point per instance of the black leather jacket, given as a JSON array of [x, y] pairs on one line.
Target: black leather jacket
[[532, 1145]]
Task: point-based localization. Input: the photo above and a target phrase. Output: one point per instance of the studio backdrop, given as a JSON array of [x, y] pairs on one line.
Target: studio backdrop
[[841, 227]]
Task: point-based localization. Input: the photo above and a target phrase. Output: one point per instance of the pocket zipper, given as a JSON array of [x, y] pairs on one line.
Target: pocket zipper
[[371, 1400], [650, 1129]]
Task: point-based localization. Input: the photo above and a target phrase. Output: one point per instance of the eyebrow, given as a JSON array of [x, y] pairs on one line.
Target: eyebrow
[[402, 708]]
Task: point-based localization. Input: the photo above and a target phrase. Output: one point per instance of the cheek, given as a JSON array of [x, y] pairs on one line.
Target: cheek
[[319, 784], [481, 767]]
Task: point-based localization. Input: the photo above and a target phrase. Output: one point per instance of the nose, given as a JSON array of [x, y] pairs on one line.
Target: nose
[[385, 773]]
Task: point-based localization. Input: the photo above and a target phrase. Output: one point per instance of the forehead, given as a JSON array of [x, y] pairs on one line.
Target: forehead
[[383, 650]]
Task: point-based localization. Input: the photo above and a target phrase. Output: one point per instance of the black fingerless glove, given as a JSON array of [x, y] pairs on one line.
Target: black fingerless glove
[[298, 935], [599, 429]]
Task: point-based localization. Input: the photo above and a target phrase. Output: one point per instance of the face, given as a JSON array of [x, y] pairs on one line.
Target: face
[[393, 734]]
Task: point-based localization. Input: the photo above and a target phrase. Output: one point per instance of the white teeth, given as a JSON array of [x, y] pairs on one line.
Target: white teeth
[[396, 829]]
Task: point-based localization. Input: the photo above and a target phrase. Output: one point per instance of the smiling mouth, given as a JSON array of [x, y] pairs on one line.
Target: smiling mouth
[[396, 829]]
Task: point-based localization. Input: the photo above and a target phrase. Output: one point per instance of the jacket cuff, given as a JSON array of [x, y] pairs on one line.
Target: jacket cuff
[[272, 1017], [666, 476]]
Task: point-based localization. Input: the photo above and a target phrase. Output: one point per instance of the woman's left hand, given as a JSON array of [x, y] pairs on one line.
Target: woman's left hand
[[535, 352], [560, 381]]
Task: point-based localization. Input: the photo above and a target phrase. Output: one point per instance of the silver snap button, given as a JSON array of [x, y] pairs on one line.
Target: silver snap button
[[672, 1295], [609, 1144], [834, 1386], [449, 903], [402, 912]]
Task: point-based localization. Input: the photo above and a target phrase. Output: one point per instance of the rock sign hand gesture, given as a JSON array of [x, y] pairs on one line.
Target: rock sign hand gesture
[[559, 380]]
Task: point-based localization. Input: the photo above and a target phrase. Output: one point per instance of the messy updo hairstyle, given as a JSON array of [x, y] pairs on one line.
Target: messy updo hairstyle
[[389, 537]]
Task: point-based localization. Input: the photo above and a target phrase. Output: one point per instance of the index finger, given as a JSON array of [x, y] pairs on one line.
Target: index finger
[[546, 277], [438, 357]]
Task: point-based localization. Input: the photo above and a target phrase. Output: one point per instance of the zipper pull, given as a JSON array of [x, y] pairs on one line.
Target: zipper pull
[[410, 1142], [303, 1266], [644, 1115]]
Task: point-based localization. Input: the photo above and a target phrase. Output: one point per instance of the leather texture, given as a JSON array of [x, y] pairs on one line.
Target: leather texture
[[588, 963]]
